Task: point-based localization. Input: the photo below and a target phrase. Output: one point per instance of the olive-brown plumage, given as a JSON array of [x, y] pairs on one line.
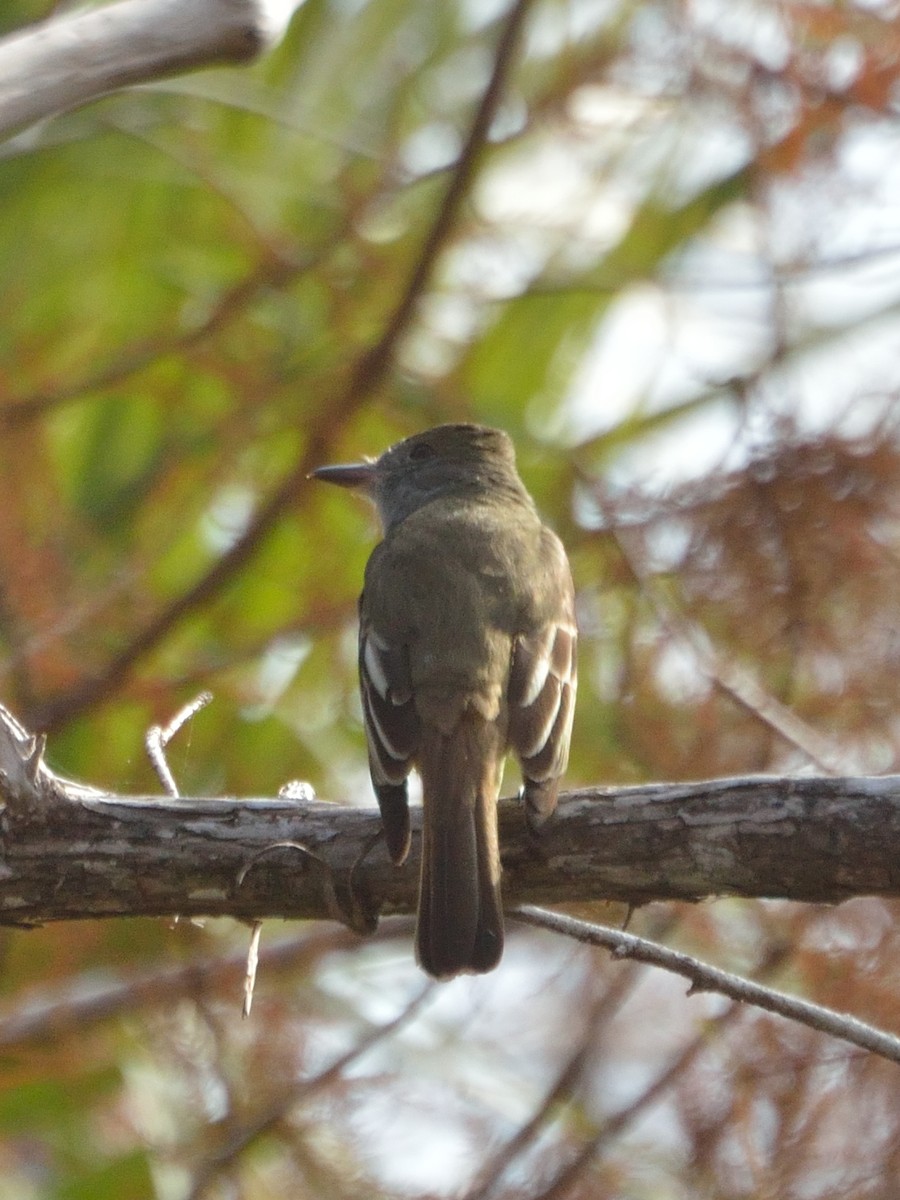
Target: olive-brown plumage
[[467, 649]]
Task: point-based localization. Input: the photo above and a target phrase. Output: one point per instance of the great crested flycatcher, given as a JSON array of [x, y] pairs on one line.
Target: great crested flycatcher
[[467, 645]]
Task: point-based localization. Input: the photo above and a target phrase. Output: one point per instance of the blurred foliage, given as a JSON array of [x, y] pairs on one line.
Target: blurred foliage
[[674, 282]]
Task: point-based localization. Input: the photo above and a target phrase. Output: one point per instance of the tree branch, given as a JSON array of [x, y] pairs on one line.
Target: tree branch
[[706, 978], [68, 851], [68, 61]]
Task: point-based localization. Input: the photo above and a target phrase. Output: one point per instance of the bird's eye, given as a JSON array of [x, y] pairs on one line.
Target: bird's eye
[[421, 451]]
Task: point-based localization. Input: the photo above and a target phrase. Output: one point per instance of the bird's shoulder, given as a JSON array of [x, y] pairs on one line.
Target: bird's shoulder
[[459, 532], [499, 564]]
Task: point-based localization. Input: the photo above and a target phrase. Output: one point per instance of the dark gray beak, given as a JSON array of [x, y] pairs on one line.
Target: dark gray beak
[[350, 475]]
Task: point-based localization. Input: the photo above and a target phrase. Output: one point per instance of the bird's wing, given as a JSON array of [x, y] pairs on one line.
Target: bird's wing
[[392, 729], [543, 679], [392, 726]]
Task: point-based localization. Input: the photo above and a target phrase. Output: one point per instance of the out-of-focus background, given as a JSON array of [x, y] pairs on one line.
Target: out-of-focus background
[[675, 282]]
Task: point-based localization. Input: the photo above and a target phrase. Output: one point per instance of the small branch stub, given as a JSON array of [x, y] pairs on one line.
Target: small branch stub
[[24, 775], [159, 736]]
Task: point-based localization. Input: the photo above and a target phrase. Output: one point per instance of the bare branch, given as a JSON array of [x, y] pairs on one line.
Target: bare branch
[[159, 736], [705, 978], [69, 851], [68, 61]]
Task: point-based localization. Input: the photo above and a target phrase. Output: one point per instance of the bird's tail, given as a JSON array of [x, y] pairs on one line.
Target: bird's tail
[[460, 922]]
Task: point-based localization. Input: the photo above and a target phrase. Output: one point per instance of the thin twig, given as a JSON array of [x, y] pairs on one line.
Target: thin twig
[[615, 1125], [158, 737], [705, 978], [252, 965]]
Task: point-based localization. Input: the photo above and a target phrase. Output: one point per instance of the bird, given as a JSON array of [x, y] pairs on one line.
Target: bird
[[467, 651]]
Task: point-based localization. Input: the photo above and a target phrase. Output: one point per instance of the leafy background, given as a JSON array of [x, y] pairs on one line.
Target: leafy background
[[674, 280]]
